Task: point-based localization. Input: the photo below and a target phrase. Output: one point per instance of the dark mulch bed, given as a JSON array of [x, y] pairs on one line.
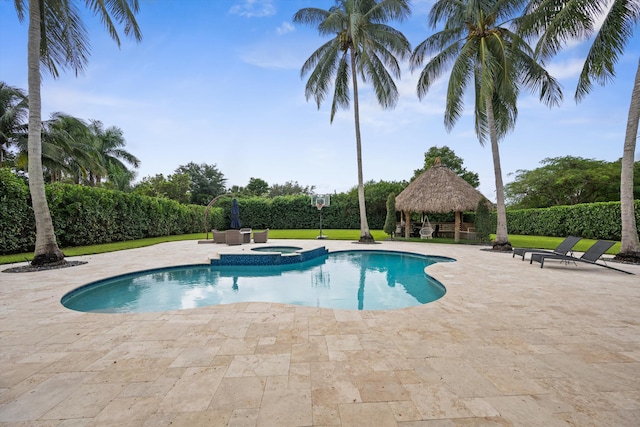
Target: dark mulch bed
[[31, 268]]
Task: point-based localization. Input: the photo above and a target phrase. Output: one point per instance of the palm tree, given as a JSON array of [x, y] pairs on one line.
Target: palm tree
[[362, 44], [480, 49], [13, 115], [57, 38], [109, 144], [67, 149], [557, 21]]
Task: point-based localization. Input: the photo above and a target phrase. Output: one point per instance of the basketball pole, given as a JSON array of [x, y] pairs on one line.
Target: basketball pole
[[320, 237]]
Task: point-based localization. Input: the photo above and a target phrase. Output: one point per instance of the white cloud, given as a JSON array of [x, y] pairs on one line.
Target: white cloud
[[267, 57], [285, 28], [254, 8], [568, 68]]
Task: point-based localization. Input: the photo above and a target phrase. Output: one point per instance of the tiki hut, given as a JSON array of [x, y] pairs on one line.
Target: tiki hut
[[438, 190]]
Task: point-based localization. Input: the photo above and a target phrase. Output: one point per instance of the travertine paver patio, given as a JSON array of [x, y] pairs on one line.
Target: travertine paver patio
[[509, 344]]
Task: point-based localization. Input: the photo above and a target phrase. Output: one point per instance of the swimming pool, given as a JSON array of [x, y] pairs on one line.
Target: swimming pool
[[355, 280]]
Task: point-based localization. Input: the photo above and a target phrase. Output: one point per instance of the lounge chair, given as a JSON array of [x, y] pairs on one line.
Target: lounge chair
[[563, 248], [234, 237], [591, 256], [260, 236], [219, 236], [246, 235]]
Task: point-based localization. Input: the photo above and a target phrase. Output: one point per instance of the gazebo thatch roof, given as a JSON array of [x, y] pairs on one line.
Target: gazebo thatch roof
[[438, 190]]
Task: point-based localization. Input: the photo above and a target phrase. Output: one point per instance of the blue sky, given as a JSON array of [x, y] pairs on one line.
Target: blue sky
[[218, 82]]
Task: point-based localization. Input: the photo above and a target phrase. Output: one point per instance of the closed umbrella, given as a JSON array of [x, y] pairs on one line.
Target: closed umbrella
[[235, 215]]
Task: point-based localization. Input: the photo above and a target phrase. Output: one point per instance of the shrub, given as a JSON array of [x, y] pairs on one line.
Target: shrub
[[390, 222], [482, 221]]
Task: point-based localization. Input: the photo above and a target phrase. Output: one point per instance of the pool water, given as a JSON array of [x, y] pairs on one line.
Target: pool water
[[354, 280], [280, 249]]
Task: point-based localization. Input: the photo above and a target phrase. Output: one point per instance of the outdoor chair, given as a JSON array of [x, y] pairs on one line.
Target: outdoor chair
[[591, 256], [426, 232], [562, 249], [219, 236], [246, 235], [260, 236], [234, 237]]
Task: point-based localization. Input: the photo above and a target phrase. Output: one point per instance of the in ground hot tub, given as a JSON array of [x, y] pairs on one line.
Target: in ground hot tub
[[278, 249]]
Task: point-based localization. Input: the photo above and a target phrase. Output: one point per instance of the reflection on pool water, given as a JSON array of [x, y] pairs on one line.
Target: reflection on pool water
[[362, 280]]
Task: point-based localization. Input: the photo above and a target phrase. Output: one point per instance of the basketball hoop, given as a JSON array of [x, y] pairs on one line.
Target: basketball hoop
[[320, 201]]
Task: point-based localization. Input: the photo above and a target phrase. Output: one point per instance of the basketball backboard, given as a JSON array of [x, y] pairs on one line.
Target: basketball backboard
[[320, 201]]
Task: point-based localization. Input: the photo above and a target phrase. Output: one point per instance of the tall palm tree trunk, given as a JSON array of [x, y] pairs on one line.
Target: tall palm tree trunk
[[630, 243], [46, 250], [502, 238], [365, 233]]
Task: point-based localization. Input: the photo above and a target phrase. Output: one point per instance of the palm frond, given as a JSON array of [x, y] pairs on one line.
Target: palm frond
[[382, 82], [322, 64], [434, 44], [310, 16], [386, 10], [608, 45], [64, 38], [462, 71], [341, 96], [124, 13], [452, 11], [436, 67]]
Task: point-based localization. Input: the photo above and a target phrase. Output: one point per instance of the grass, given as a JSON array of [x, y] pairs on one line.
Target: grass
[[517, 241]]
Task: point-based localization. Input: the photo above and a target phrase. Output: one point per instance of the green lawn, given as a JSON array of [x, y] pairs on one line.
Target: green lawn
[[516, 240]]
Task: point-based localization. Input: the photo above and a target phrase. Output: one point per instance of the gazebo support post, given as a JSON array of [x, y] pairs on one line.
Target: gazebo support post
[[407, 224], [458, 223]]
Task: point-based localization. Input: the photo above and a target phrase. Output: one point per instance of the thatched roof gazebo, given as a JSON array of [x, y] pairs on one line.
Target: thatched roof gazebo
[[438, 190]]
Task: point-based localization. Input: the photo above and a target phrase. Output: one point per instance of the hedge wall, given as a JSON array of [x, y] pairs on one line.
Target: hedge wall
[[591, 221], [85, 215]]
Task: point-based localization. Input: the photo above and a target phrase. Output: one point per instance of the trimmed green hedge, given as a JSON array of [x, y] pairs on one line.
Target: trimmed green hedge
[[16, 216], [85, 215], [591, 221]]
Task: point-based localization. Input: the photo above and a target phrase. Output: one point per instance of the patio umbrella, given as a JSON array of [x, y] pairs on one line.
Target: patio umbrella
[[235, 215]]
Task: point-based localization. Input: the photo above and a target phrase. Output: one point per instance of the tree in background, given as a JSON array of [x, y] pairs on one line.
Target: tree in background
[[67, 150], [556, 22], [257, 187], [13, 118], [390, 221], [449, 159], [206, 182], [290, 188], [109, 148], [57, 38], [480, 49], [362, 44], [237, 190], [120, 179], [174, 187], [566, 181]]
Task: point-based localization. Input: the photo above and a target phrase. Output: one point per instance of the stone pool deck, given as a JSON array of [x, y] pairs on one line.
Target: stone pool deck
[[510, 344]]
